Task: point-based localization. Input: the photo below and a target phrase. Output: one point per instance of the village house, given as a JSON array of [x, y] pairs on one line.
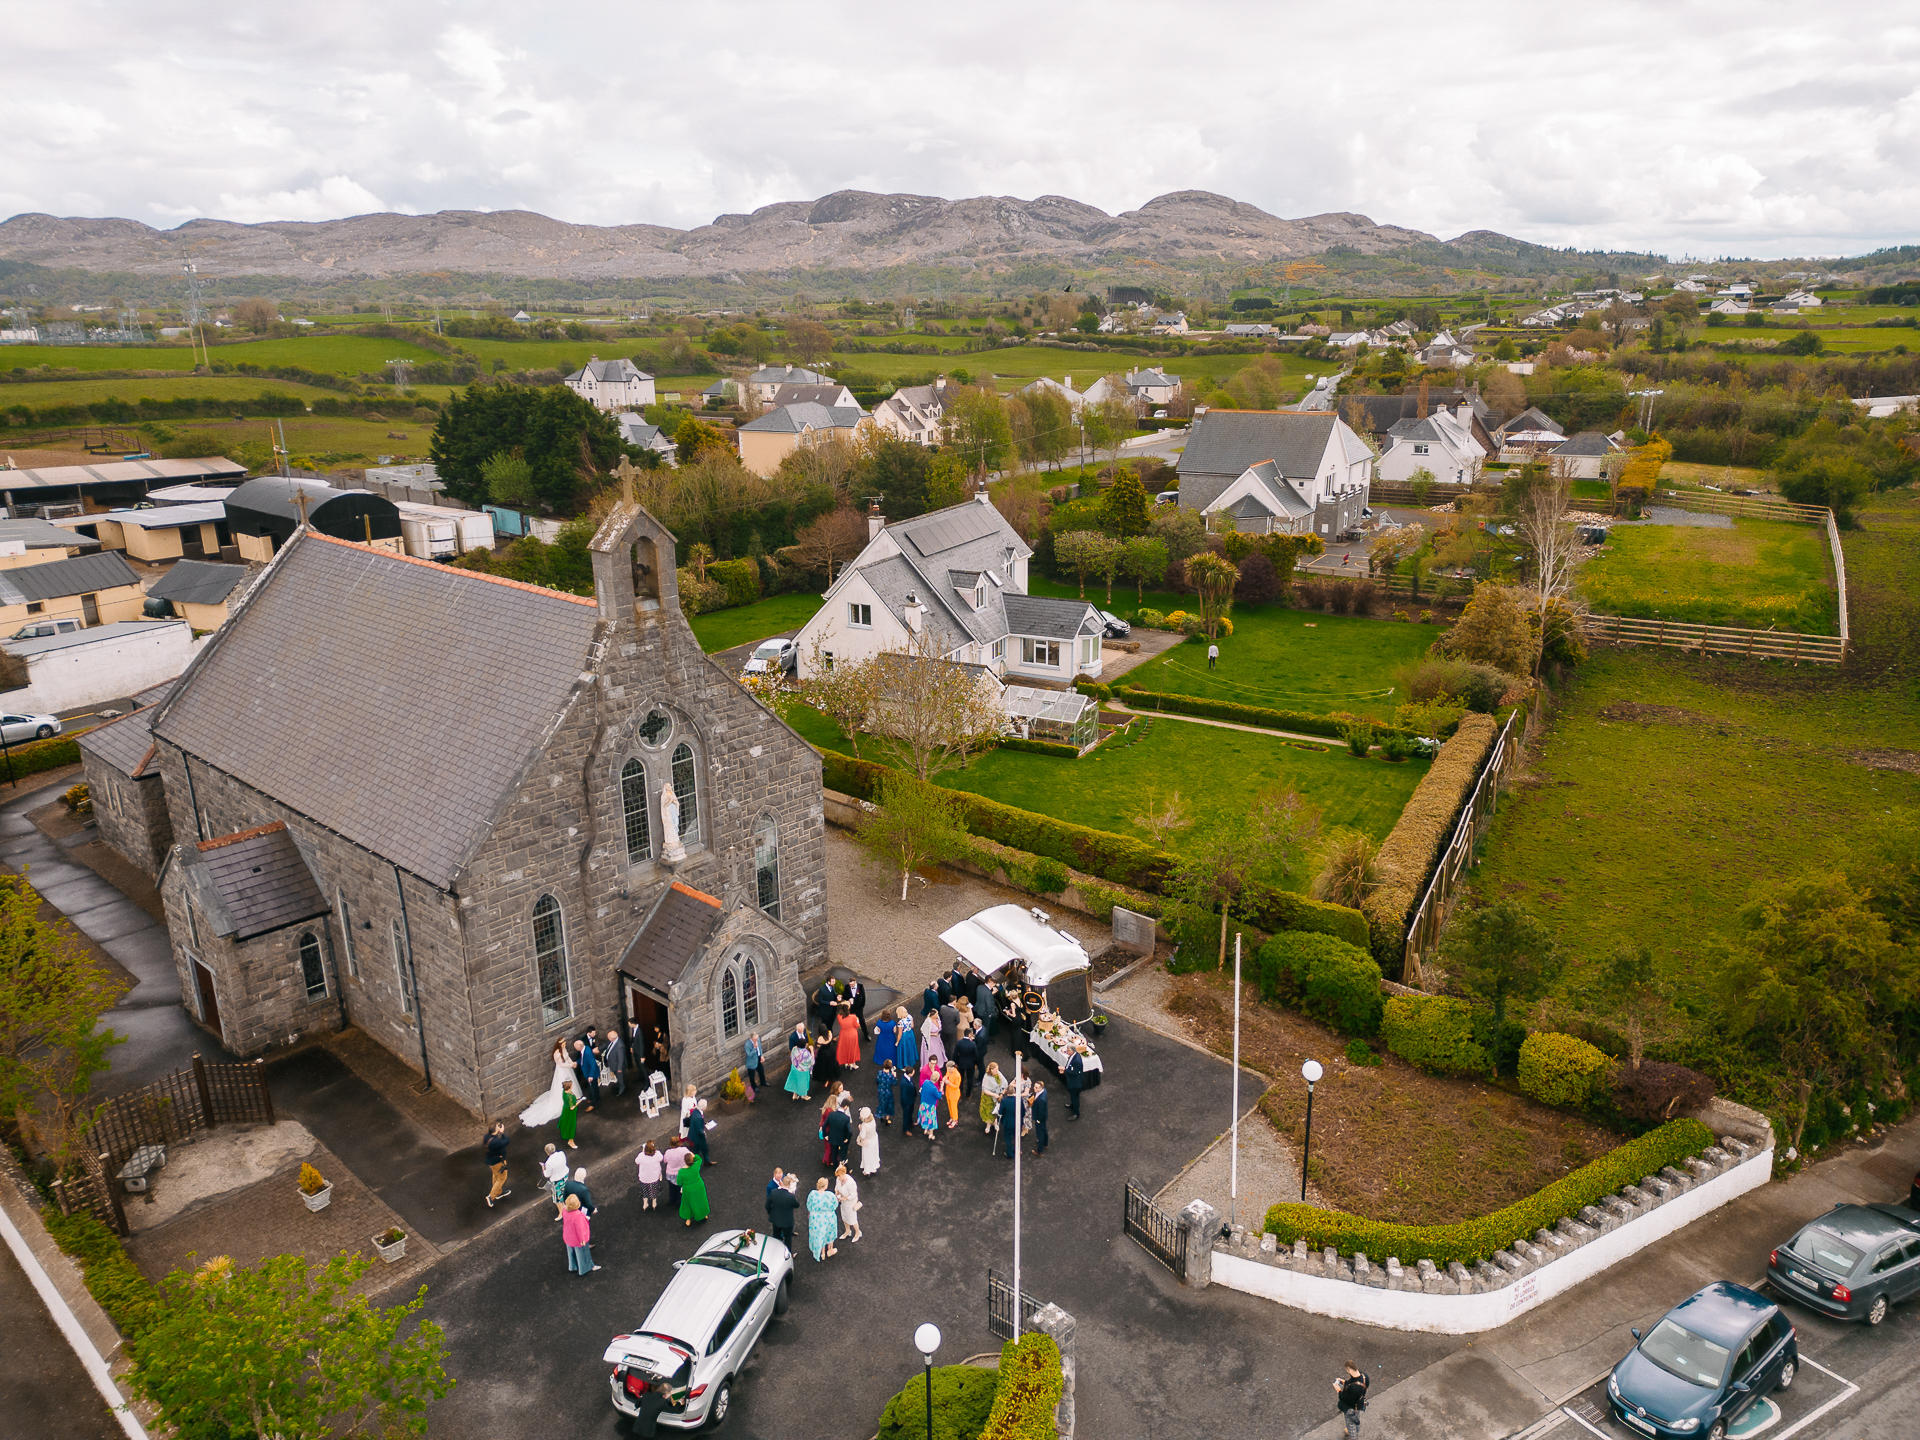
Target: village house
[[765, 442], [643, 435], [612, 384], [1443, 444], [915, 413], [93, 589], [953, 584], [518, 815], [832, 395], [1267, 456], [760, 386], [200, 592], [1584, 456]]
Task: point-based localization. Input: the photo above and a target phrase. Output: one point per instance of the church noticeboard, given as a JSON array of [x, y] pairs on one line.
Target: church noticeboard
[[1132, 931]]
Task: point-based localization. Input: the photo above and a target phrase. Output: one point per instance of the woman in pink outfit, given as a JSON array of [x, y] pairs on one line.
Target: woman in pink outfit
[[577, 1231]]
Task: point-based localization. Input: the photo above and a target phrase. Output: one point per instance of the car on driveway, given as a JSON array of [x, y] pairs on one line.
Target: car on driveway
[[775, 655], [29, 727], [1853, 1263], [1113, 626], [1704, 1364], [697, 1337]]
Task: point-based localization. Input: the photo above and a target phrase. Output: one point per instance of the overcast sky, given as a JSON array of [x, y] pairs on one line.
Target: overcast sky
[[1759, 128]]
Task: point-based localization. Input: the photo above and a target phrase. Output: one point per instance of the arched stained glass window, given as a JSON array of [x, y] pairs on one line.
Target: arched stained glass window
[[750, 991], [633, 802], [686, 787], [550, 961], [729, 1004]]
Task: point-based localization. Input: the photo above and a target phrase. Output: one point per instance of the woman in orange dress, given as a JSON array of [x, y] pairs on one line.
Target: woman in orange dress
[[848, 1051], [953, 1096]]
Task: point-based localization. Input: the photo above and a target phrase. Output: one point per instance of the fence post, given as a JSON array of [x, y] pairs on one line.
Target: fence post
[[112, 1196], [266, 1094], [206, 1094]]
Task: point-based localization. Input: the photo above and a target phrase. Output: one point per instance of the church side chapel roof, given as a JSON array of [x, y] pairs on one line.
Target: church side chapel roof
[[674, 934], [393, 700], [260, 879]]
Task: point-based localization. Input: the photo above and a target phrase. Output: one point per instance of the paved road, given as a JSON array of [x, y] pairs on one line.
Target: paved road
[[1155, 1360], [44, 1392]]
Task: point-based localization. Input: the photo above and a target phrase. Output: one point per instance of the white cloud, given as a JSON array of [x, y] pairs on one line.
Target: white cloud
[[1673, 128]]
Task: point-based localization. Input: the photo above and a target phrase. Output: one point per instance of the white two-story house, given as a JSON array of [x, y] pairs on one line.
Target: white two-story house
[[1259, 468], [1443, 444], [612, 384], [954, 584]]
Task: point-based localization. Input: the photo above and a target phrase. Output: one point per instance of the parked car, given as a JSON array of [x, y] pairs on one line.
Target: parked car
[[1853, 1262], [781, 655], [28, 727], [42, 629], [1115, 627], [701, 1330], [1706, 1362], [1167, 497]]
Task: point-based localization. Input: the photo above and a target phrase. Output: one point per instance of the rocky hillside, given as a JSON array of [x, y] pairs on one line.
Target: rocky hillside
[[851, 230]]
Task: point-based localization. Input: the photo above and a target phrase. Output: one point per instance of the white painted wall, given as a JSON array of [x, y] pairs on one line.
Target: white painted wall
[[105, 670], [830, 626], [1467, 1314]]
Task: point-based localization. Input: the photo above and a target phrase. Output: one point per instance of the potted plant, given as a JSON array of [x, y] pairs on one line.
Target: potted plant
[[315, 1188], [732, 1090], [391, 1243]]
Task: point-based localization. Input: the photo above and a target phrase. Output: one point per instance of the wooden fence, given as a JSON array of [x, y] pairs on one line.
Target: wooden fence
[[169, 1111], [1716, 639], [1755, 507], [1474, 820]]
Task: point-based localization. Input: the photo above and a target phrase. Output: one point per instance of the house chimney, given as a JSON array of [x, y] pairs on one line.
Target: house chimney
[[876, 522], [912, 612], [985, 499]]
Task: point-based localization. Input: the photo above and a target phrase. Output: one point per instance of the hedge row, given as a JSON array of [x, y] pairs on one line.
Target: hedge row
[[1031, 1381], [1472, 1240], [1434, 1032], [111, 1278], [1333, 982], [1041, 747], [1097, 852], [39, 755], [740, 579], [1284, 910], [1408, 853], [1297, 720]]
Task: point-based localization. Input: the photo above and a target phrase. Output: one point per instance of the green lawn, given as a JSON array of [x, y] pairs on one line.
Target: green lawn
[[1015, 365], [724, 629], [1760, 573], [1667, 787], [339, 354], [238, 388], [1215, 770], [1883, 582], [1866, 338], [1296, 660]]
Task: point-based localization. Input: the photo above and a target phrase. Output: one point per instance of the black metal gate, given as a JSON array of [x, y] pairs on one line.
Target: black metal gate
[[1000, 1306], [1156, 1230]]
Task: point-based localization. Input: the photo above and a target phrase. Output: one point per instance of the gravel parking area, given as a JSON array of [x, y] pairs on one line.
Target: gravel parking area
[[1693, 519]]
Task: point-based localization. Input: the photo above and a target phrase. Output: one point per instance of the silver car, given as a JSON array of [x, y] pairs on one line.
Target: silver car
[[29, 727], [696, 1339], [776, 655]]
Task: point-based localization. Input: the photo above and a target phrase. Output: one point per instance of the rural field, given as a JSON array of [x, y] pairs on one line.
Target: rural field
[[1760, 574], [237, 388], [314, 436], [341, 354], [1016, 365]]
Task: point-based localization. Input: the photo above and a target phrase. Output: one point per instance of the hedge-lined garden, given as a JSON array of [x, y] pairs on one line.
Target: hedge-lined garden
[[1473, 1240], [1015, 1402]]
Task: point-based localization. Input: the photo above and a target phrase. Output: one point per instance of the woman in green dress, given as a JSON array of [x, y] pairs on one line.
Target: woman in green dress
[[693, 1191], [569, 1114]]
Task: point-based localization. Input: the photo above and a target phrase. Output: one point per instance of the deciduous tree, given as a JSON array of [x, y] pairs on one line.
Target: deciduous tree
[[916, 824], [808, 341], [1082, 553], [258, 314], [829, 540], [1493, 629], [1502, 952], [930, 713], [1143, 560], [1161, 816]]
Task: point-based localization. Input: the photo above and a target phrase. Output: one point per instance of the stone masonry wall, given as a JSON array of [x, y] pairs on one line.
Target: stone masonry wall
[[130, 814]]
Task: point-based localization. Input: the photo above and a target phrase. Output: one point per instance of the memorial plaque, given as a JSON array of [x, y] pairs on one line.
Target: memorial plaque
[[1132, 931]]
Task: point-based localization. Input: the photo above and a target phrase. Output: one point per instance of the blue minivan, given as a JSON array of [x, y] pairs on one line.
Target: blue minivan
[[1710, 1358]]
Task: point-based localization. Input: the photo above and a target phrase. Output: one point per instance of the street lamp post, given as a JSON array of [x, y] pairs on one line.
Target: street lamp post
[[1311, 1073], [927, 1340]]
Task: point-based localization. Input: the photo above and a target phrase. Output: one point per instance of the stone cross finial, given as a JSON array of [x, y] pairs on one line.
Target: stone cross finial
[[624, 472], [300, 502]]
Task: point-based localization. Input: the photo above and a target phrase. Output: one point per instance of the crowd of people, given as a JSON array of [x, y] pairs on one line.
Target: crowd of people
[[925, 1072]]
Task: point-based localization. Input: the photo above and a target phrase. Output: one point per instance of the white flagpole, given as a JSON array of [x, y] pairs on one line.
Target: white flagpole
[[1019, 1116], [1233, 1183]]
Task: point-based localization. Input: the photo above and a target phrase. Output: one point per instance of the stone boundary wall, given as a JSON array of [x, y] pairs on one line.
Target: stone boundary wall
[[1459, 1300]]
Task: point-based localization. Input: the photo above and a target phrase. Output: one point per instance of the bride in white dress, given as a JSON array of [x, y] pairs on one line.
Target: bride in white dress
[[546, 1109]]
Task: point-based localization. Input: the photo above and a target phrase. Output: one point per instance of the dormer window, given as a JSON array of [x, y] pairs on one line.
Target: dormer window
[[980, 595]]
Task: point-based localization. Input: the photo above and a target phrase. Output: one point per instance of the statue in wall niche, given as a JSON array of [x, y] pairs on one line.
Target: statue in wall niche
[[672, 852]]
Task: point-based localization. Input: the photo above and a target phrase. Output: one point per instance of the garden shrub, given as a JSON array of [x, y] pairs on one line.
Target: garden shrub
[[1361, 1053], [1500, 1039], [1279, 910], [1359, 737], [1093, 688], [1031, 1380], [39, 755], [1050, 877], [1658, 1091], [740, 579], [1408, 854], [111, 1277], [1435, 1033], [1472, 1240], [1325, 978], [1040, 747], [1561, 1070], [962, 1400]]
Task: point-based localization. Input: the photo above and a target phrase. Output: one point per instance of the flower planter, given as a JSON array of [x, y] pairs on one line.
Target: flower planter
[[319, 1199], [393, 1252]]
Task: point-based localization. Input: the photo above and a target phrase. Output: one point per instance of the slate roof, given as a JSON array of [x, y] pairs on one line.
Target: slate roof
[[38, 534], [1224, 444], [197, 582], [82, 575], [786, 375], [1587, 442], [610, 372], [804, 394], [1141, 379], [345, 674], [636, 431], [261, 880], [1532, 418], [793, 419], [155, 695], [1249, 507], [126, 743], [682, 920], [1277, 495], [1047, 617]]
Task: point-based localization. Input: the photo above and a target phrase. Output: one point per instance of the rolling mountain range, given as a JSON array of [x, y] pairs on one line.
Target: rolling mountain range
[[850, 230]]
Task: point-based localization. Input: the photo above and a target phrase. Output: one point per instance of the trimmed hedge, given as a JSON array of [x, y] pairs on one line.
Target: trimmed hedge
[[1408, 854], [1471, 1240], [1435, 1033], [1040, 747], [1325, 978], [1284, 910], [1031, 1381], [1296, 720], [111, 1277], [1562, 1069], [740, 579], [962, 1400], [39, 755]]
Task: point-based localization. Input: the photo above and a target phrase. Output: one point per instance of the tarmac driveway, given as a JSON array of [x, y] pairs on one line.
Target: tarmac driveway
[[1155, 1359]]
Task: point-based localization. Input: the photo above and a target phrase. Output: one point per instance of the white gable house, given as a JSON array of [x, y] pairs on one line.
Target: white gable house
[[914, 413], [612, 384], [1442, 444], [1276, 458], [955, 582]]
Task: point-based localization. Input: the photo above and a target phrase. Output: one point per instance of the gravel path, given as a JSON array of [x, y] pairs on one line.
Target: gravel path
[[1662, 515]]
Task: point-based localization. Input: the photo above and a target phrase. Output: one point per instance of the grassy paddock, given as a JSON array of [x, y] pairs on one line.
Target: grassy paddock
[[724, 629], [1016, 365], [238, 388], [1684, 472], [1760, 573], [322, 434], [1668, 786], [342, 354]]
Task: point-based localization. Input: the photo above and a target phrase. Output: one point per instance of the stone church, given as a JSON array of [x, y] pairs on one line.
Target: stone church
[[472, 816]]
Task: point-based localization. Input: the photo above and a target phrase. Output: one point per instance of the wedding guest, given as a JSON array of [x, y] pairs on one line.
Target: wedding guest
[[800, 1070], [823, 1220], [577, 1234], [847, 1191], [755, 1069], [651, 1165], [869, 1138], [883, 1081], [991, 1084]]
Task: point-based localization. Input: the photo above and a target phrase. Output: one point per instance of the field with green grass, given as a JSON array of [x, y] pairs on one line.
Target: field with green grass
[[724, 629], [238, 388], [1667, 787], [1215, 770], [1760, 574], [1866, 339], [1016, 365], [1296, 660], [312, 436], [1883, 583], [337, 354], [1683, 473]]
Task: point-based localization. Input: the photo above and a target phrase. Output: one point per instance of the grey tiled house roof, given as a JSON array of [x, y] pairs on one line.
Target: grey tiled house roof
[[81, 575], [345, 674], [1225, 443], [197, 582], [260, 880], [675, 933], [124, 744]]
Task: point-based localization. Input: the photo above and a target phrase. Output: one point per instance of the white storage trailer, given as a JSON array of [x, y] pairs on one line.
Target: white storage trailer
[[471, 529], [428, 537]]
